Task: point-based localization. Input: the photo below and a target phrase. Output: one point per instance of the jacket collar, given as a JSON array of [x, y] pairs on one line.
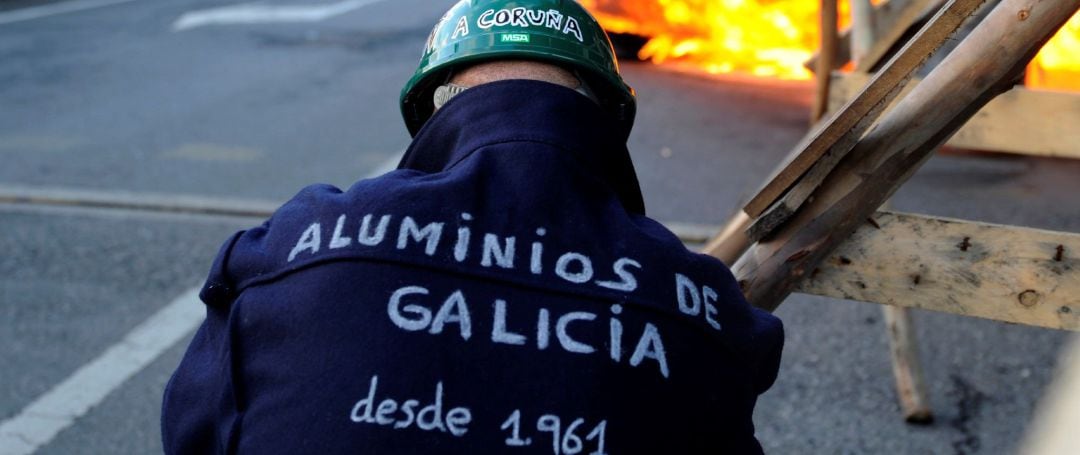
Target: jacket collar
[[524, 110]]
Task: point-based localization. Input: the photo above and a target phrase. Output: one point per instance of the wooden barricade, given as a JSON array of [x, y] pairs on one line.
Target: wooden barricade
[[814, 226]]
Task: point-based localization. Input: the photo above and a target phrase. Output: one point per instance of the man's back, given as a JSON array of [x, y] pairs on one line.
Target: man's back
[[493, 296]]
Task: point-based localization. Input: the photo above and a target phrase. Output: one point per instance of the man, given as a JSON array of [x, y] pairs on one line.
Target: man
[[501, 292]]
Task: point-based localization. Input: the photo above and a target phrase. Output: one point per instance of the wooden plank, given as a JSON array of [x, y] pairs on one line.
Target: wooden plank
[[928, 40], [1021, 121], [1030, 122], [836, 138], [828, 46], [907, 370], [863, 29], [903, 19], [843, 53], [984, 65], [883, 16], [1006, 273], [691, 234], [731, 242], [1053, 429]]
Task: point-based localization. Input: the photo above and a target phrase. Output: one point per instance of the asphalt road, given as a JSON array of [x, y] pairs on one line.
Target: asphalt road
[[114, 99]]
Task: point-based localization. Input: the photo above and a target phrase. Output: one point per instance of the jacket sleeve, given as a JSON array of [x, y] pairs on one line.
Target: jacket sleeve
[[199, 408]]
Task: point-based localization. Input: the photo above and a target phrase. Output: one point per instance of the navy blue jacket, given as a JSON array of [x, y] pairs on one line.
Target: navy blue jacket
[[501, 292]]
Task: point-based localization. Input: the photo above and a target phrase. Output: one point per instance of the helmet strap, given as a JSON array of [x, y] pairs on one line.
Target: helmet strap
[[584, 89]]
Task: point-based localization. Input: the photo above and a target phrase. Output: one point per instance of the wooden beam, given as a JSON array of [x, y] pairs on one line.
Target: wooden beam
[[843, 53], [907, 370], [1021, 121], [1006, 273], [828, 46], [825, 146], [863, 30], [903, 19], [1029, 122], [731, 242], [982, 66], [884, 17], [1052, 431], [915, 261]]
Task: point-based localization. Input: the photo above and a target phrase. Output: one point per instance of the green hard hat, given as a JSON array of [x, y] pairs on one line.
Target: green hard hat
[[560, 32]]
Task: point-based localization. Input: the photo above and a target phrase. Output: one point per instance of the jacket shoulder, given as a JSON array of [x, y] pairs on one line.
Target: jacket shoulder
[[261, 252]]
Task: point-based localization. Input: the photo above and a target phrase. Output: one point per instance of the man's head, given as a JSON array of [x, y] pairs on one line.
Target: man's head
[[499, 70], [479, 41]]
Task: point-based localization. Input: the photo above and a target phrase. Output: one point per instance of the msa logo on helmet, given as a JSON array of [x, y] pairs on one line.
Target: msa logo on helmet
[[523, 17], [514, 38]]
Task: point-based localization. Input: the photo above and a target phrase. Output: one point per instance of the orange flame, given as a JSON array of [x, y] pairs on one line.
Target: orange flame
[[775, 38], [762, 38], [1057, 65]]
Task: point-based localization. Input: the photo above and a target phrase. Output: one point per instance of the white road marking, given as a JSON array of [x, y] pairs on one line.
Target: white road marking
[[53, 9], [213, 152], [155, 202], [141, 200], [258, 13], [40, 421], [31, 144], [234, 222]]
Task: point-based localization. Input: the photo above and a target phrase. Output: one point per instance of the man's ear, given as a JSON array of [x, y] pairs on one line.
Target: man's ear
[[445, 92]]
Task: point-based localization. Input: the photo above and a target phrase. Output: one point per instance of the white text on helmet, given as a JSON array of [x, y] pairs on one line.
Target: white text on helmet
[[462, 28], [522, 17]]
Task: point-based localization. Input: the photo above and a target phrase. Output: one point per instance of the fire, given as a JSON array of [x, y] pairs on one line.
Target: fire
[[775, 38], [1057, 66], [762, 38]]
